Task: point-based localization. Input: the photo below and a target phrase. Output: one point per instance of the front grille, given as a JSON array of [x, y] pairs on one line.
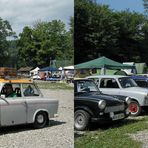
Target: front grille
[[114, 108]]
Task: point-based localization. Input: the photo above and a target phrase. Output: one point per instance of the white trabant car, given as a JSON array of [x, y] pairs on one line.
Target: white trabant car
[[21, 102], [122, 85]]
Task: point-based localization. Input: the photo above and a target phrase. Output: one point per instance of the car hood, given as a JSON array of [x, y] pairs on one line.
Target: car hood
[[120, 97], [110, 100]]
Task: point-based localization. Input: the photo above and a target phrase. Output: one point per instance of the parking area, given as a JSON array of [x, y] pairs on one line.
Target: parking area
[[59, 134]]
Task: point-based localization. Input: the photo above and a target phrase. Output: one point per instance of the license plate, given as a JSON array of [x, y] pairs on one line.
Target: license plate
[[118, 116]]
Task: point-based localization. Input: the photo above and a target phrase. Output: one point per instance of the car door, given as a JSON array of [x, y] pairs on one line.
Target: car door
[[13, 108], [33, 100], [109, 86]]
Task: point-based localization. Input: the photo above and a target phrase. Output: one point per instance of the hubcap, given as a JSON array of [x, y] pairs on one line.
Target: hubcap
[[133, 108], [40, 118], [79, 120]]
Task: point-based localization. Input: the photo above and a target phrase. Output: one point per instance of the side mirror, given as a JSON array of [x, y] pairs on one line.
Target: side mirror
[[3, 96]]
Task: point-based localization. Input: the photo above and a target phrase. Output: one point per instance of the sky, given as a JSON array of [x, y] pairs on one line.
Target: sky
[[132, 5], [21, 13]]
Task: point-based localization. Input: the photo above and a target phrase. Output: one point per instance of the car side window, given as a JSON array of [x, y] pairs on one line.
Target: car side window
[[142, 83], [81, 86], [108, 83], [11, 90], [30, 90]]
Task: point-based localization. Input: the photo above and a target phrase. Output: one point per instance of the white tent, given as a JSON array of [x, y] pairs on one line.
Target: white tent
[[34, 71], [67, 71], [69, 67], [129, 71], [60, 68]]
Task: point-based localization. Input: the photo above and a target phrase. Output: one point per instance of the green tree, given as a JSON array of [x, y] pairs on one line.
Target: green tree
[[130, 36], [45, 42], [70, 52], [81, 29], [100, 31], [12, 55], [95, 30], [26, 50], [5, 32], [72, 25]]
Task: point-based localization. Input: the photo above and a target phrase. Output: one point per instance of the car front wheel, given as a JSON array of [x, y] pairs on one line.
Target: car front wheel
[[134, 108], [81, 120], [41, 120]]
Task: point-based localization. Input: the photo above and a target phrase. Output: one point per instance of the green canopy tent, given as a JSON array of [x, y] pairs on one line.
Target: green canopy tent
[[103, 63]]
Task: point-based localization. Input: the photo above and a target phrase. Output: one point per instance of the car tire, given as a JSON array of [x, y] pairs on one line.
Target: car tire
[[81, 120], [134, 108], [41, 120]]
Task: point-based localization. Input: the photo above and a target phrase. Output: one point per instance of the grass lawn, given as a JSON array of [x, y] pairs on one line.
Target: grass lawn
[[53, 85], [113, 136]]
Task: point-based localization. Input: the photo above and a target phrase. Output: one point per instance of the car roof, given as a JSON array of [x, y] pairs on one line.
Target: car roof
[[15, 80], [80, 79], [106, 76]]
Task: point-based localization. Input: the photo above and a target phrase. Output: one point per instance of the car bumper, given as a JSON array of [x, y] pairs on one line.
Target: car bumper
[[110, 117]]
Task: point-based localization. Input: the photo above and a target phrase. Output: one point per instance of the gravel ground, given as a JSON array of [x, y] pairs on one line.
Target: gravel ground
[[58, 135], [141, 136]]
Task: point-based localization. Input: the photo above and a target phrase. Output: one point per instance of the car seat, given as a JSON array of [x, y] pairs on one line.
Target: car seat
[[109, 84], [102, 84], [18, 91]]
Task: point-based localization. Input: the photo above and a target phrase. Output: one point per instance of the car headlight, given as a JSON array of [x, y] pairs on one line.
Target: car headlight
[[128, 100], [102, 104]]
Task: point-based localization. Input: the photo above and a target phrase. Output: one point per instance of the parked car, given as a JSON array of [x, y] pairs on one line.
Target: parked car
[[122, 85], [142, 81], [21, 102], [90, 105]]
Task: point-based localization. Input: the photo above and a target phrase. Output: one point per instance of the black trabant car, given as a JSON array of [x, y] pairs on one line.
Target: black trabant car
[[91, 105]]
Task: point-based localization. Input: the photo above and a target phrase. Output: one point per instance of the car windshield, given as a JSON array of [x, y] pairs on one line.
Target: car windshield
[[86, 86], [127, 82]]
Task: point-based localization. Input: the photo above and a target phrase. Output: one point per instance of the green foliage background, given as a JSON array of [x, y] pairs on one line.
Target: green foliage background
[[39, 45], [101, 31]]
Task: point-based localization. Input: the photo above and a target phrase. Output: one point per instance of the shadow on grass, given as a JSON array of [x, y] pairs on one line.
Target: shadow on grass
[[26, 127], [144, 113], [116, 124], [78, 134]]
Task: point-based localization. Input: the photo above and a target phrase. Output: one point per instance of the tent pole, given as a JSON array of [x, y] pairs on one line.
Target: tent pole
[[103, 71]]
